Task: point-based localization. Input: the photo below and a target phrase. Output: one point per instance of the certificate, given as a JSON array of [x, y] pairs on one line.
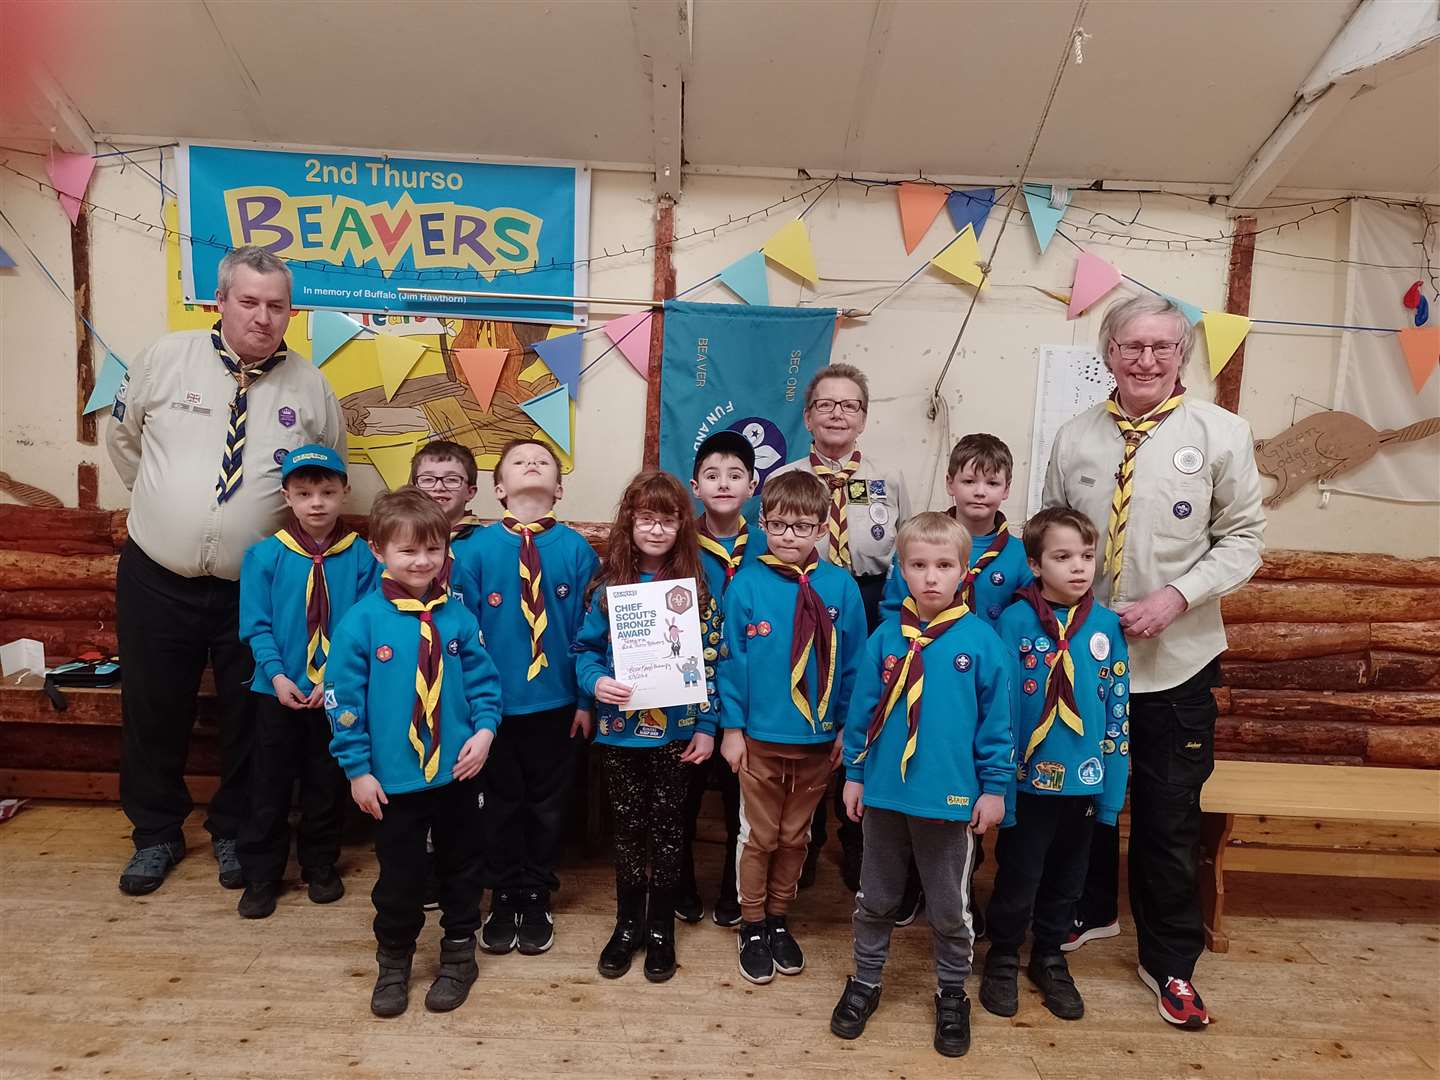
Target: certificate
[[656, 640]]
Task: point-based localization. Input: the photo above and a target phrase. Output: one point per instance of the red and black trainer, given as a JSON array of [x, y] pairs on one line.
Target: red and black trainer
[[1178, 1001], [1080, 933]]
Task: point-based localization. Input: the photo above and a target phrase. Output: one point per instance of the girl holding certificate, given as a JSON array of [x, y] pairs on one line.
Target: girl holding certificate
[[646, 754]]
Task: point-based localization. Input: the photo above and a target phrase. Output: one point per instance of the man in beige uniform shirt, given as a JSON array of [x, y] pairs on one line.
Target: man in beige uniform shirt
[[1170, 482], [200, 428], [868, 506]]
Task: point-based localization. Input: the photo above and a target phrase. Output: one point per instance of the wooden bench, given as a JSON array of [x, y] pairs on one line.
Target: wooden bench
[[1266, 790]]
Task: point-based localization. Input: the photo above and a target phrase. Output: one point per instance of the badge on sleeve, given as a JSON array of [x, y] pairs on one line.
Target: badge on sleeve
[[993, 611], [1030, 686], [877, 531], [1182, 509], [833, 612], [1026, 645], [858, 493], [494, 599], [997, 577], [280, 456], [453, 647], [1090, 772], [1030, 661], [562, 590], [879, 514], [286, 416], [877, 489], [1042, 644], [1119, 668], [1189, 460], [762, 628], [1099, 646], [962, 662], [384, 653]]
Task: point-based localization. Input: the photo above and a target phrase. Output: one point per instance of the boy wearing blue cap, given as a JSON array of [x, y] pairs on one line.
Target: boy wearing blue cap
[[294, 587]]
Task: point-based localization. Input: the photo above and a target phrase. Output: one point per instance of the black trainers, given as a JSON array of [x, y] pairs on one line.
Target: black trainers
[[757, 963], [726, 911], [1000, 986], [689, 908], [324, 885], [1081, 932], [391, 995], [147, 868], [500, 931], [458, 972], [258, 900], [1051, 975], [857, 1003], [785, 950], [952, 1023], [535, 930], [231, 875]]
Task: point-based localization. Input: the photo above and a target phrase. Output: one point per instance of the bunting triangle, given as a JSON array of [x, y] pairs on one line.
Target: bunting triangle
[[790, 247], [1094, 277], [1193, 313], [746, 279], [970, 208], [6, 262], [392, 462], [1421, 346], [107, 383], [920, 205], [631, 335], [398, 356], [562, 357], [961, 258], [328, 331], [1043, 216], [551, 410], [70, 176], [481, 369], [1223, 334]]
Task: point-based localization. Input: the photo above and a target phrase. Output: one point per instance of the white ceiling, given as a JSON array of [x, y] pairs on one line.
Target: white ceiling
[[1179, 90]]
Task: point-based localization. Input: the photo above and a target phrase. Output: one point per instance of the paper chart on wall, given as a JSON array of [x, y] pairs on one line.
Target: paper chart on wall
[[1072, 379]]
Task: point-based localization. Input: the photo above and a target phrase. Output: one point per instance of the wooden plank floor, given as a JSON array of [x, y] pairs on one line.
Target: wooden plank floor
[[1326, 978]]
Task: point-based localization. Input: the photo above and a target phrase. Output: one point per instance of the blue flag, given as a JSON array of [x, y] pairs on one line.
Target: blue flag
[[743, 367]]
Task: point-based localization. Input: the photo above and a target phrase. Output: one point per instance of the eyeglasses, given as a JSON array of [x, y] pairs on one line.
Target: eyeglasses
[[429, 482], [649, 523], [1133, 350], [848, 406], [803, 530]]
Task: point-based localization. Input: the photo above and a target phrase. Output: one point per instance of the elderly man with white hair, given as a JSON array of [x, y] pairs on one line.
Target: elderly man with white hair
[[1170, 481], [200, 428]]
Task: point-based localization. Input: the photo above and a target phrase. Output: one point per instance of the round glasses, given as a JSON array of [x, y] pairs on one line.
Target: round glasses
[[649, 523]]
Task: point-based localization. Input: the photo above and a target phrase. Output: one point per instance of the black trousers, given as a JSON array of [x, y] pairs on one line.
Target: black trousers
[[290, 745], [528, 778], [1172, 753], [647, 788], [852, 837], [729, 784], [1040, 871], [450, 814], [169, 627]]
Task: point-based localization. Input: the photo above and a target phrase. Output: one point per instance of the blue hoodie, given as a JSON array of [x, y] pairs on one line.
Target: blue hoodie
[[370, 691], [754, 671], [272, 605], [964, 743], [994, 589], [1096, 763], [594, 660], [486, 576]]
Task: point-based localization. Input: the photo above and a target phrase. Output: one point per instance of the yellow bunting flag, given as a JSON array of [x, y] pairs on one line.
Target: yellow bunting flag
[[790, 247], [1223, 334], [961, 258], [398, 356], [392, 461]]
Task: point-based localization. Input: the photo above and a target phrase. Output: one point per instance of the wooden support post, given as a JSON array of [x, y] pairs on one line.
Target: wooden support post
[[86, 428], [87, 486], [1237, 302], [664, 289]]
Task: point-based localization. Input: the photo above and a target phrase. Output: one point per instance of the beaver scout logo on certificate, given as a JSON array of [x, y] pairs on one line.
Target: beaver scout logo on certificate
[[655, 636]]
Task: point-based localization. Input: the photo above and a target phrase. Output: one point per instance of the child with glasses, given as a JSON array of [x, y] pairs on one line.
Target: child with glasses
[[801, 615], [446, 471], [646, 755], [524, 577]]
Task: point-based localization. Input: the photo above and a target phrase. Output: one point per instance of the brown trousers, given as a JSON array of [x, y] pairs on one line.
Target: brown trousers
[[780, 786]]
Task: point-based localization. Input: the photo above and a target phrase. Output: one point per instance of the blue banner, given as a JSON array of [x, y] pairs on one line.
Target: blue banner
[[354, 228], [741, 367]]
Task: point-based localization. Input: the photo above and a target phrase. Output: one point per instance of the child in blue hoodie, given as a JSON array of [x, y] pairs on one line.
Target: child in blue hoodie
[[1073, 740], [524, 578], [647, 756], [294, 589], [414, 702], [929, 754], [794, 632]]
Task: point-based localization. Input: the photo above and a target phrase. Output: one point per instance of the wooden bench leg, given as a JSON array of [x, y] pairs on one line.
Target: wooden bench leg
[[1215, 832]]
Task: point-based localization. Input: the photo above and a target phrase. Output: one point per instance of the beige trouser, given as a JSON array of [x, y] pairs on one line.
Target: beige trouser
[[780, 786]]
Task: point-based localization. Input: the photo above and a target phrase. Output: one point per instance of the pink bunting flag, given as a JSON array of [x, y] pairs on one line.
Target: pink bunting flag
[[1094, 277], [70, 176], [631, 335]]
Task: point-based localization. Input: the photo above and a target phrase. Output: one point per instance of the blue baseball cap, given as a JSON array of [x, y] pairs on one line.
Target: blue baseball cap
[[313, 456]]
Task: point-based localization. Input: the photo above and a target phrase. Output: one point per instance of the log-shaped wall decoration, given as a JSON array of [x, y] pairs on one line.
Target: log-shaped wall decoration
[[1329, 602]]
